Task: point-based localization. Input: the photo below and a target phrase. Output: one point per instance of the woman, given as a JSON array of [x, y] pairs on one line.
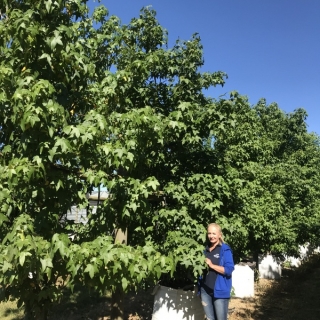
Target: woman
[[216, 283]]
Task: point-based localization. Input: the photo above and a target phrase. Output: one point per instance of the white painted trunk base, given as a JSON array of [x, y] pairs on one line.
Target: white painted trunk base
[[243, 281], [173, 304]]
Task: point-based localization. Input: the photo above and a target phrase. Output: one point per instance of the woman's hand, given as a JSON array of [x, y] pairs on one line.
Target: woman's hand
[[215, 267], [208, 262]]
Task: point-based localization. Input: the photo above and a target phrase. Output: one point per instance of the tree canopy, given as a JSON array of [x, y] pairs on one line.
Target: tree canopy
[[87, 101]]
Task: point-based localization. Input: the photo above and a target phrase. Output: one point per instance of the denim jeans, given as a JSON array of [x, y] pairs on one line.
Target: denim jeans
[[214, 308]]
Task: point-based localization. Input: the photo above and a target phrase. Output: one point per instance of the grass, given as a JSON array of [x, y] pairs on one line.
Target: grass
[[9, 311]]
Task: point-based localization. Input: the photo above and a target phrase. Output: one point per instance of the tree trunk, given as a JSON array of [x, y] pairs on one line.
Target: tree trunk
[[42, 315], [256, 270], [30, 314], [121, 237], [117, 305]]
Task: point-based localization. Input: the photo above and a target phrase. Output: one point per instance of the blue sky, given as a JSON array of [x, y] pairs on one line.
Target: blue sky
[[269, 48]]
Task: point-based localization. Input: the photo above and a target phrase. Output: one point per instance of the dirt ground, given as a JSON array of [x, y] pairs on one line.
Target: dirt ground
[[296, 296]]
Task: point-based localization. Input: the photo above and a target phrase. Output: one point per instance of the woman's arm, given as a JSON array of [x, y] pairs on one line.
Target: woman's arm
[[215, 267]]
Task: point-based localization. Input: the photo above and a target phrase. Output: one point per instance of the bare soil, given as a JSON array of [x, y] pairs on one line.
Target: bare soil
[[296, 296]]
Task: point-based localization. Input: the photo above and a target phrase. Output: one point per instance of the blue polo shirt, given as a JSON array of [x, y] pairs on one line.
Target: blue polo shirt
[[209, 279]]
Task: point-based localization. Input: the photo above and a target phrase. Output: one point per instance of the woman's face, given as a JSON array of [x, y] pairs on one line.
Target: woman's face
[[214, 235]]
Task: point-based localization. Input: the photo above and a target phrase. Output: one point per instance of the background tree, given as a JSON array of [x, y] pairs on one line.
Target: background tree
[[269, 161]]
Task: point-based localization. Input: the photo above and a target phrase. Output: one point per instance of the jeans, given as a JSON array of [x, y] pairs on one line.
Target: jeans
[[214, 308]]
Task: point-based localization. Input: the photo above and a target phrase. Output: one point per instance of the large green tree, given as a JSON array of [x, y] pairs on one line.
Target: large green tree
[[87, 101]]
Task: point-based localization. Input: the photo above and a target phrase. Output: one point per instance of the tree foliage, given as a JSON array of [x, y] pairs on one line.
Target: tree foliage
[[85, 101], [270, 163]]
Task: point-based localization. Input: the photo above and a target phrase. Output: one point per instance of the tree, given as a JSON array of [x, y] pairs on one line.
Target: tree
[[270, 163], [87, 101]]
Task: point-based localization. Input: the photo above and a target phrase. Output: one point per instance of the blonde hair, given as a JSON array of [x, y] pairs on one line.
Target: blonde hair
[[217, 226]]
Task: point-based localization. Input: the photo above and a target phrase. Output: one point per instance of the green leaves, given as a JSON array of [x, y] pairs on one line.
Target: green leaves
[[46, 263], [258, 160], [22, 257], [91, 270]]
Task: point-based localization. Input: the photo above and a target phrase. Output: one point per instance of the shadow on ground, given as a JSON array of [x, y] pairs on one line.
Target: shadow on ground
[[84, 305], [296, 296]]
